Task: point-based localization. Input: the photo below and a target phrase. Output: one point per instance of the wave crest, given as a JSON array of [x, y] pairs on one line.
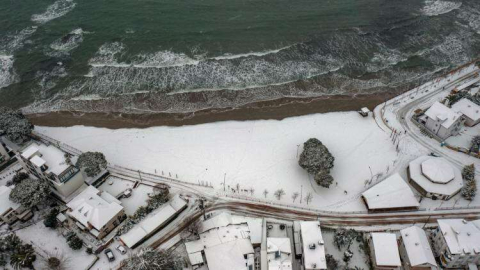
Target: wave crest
[[54, 11]]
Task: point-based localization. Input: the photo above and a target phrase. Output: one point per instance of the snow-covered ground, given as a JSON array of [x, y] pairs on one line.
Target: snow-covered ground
[[139, 195], [254, 154], [465, 137], [51, 242]]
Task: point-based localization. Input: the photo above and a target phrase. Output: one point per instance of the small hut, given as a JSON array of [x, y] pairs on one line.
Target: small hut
[[364, 111]]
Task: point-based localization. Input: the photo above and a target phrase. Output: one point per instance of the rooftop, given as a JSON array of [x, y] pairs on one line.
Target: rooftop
[[229, 255], [5, 203], [392, 192], [461, 236], [41, 154], [442, 113], [94, 207], [438, 169], [417, 246], [467, 108], [313, 245], [386, 249], [153, 222]]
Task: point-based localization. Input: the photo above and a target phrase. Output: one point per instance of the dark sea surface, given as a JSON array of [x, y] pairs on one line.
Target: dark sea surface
[[183, 56]]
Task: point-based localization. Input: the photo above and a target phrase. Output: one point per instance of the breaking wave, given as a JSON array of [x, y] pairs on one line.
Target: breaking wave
[[11, 43], [7, 73], [66, 43], [54, 11], [439, 7]]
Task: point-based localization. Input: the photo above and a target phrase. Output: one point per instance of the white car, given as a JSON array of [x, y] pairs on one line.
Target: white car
[[121, 249]]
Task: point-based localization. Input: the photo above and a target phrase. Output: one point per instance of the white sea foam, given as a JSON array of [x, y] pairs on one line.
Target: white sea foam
[[439, 7], [7, 73], [234, 56], [11, 43], [54, 11], [106, 54]]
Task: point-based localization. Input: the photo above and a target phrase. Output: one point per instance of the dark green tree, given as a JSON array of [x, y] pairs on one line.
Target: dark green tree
[[92, 163], [14, 125], [317, 160]]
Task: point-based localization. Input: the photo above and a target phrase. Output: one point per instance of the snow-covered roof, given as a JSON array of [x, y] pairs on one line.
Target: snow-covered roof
[[467, 108], [219, 236], [386, 249], [53, 157], [195, 258], [5, 203], [38, 161], [417, 175], [442, 113], [91, 207], [365, 110], [392, 192], [229, 255], [461, 236], [313, 245], [281, 244], [255, 225], [221, 220], [417, 246], [438, 170], [153, 222]]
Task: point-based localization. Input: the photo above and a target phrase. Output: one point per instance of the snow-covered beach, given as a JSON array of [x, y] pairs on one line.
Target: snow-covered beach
[[254, 154]]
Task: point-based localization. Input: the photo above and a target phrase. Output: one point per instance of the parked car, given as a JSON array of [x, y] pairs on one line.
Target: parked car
[[127, 193], [121, 249], [109, 254]]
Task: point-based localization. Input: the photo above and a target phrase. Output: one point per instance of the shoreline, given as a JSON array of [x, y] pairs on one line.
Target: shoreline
[[265, 110]]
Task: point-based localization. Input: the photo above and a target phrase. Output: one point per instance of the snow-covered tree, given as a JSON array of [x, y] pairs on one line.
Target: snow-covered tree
[[279, 193], [159, 198], [92, 163], [23, 257], [30, 192], [295, 196], [332, 263], [323, 179], [152, 259], [469, 190], [14, 125], [317, 160], [475, 144], [344, 238], [75, 243], [265, 193], [309, 197], [347, 255], [19, 177], [50, 220]]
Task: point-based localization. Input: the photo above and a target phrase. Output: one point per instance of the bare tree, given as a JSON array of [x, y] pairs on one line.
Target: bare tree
[[295, 196], [279, 193], [309, 197], [265, 193], [238, 187], [252, 190]]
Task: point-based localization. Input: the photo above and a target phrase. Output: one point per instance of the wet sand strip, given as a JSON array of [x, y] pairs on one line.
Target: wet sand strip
[[274, 109]]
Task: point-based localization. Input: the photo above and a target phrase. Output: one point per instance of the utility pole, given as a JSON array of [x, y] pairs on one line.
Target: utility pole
[[298, 146], [224, 176]]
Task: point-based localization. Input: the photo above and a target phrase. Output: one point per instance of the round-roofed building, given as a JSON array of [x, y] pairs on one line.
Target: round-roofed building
[[435, 177]]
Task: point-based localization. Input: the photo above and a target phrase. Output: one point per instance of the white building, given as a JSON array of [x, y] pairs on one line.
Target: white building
[[384, 250], [469, 110], [415, 250], [279, 253], [49, 163], [10, 211], [96, 211], [226, 242], [457, 243], [313, 245], [4, 157], [150, 225], [392, 193], [442, 121], [435, 177]]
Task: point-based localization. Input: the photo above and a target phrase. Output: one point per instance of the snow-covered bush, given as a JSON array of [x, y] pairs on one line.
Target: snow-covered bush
[[317, 160], [75, 243], [469, 190], [331, 262], [30, 192], [343, 237], [152, 259], [50, 220], [475, 144], [19, 177], [14, 125], [92, 163], [12, 249]]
